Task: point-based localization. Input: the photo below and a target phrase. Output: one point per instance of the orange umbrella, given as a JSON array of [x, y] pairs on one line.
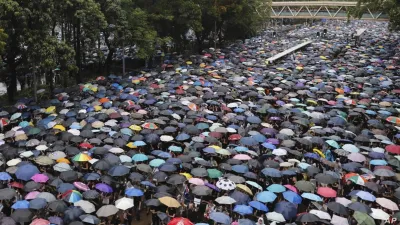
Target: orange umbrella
[[193, 106], [339, 90], [103, 100], [63, 160]]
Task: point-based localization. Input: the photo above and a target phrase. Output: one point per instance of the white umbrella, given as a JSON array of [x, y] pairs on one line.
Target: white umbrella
[[116, 150], [86, 206], [125, 158], [226, 184], [274, 216], [338, 220], [106, 211], [41, 147], [379, 214], [13, 162], [61, 167], [166, 138], [225, 200], [124, 203], [285, 164], [46, 195], [321, 214], [26, 154], [343, 201], [286, 131], [57, 155], [386, 203], [74, 132], [279, 152]]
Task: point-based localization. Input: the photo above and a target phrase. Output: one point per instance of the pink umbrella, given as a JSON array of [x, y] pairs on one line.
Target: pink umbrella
[[291, 187], [196, 181], [242, 157], [31, 195], [40, 178], [40, 221], [81, 186], [326, 192], [356, 157]]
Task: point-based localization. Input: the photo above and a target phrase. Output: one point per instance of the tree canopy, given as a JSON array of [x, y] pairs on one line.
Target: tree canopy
[[46, 37], [390, 7]]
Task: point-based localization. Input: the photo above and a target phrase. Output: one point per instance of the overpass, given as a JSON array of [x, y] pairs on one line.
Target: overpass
[[321, 10]]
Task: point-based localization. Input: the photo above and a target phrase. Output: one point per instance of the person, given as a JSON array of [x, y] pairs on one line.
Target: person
[[260, 221]]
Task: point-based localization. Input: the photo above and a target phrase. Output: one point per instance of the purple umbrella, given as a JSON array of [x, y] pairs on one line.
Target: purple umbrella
[[273, 141], [212, 186], [104, 188], [55, 220]]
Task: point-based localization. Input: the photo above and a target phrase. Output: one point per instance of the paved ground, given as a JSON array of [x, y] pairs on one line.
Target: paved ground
[[144, 219]]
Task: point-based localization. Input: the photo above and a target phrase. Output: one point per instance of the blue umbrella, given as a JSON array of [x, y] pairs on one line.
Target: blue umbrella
[[363, 195], [148, 183], [240, 197], [254, 119], [118, 171], [26, 171], [243, 209], [38, 203], [288, 172], [271, 172], [276, 188], [241, 149], [133, 192], [249, 141], [259, 206], [269, 145], [156, 162], [139, 157], [311, 155], [91, 176], [5, 176], [240, 168], [378, 162], [245, 222], [266, 196], [312, 197], [166, 167], [292, 197], [139, 143], [220, 217], [287, 209], [259, 137], [64, 187], [20, 205], [182, 137], [164, 155]]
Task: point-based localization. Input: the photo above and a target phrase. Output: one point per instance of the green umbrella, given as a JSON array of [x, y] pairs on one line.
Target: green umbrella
[[363, 218], [15, 116], [333, 143], [214, 173], [34, 131], [306, 186]]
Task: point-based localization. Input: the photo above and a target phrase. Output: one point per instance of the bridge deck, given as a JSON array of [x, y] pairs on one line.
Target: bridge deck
[[360, 31], [314, 3], [288, 51]]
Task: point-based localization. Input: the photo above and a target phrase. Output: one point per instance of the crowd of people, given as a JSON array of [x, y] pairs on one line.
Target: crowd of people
[[224, 137]]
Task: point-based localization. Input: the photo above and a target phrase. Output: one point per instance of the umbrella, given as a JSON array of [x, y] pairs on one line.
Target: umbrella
[[86, 206], [180, 221], [170, 202], [106, 211], [363, 218], [220, 217], [87, 218], [243, 209], [124, 203], [287, 209]]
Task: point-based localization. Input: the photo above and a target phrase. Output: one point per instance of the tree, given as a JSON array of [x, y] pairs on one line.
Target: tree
[[3, 38], [390, 7]]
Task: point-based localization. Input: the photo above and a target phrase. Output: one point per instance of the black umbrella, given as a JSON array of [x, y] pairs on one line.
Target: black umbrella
[[69, 176], [7, 193], [57, 206], [307, 218], [22, 215]]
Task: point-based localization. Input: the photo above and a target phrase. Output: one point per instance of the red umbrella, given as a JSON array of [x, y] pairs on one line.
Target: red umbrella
[[180, 221], [234, 137], [327, 192], [16, 185], [86, 145], [215, 135], [395, 149]]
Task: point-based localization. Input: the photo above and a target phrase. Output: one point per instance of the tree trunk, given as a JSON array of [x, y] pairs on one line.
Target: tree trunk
[[50, 80], [109, 60], [12, 86], [78, 51]]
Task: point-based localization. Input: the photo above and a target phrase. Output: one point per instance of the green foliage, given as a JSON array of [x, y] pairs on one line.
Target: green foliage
[[390, 7], [3, 38]]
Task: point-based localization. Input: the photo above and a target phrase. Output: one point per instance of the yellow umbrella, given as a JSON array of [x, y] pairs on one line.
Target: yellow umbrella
[[312, 101], [135, 81], [98, 108], [323, 57], [319, 152], [214, 147], [299, 68], [51, 109], [131, 145], [63, 160], [135, 128], [202, 65], [222, 151], [189, 63], [170, 202], [59, 127], [187, 175], [244, 188]]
